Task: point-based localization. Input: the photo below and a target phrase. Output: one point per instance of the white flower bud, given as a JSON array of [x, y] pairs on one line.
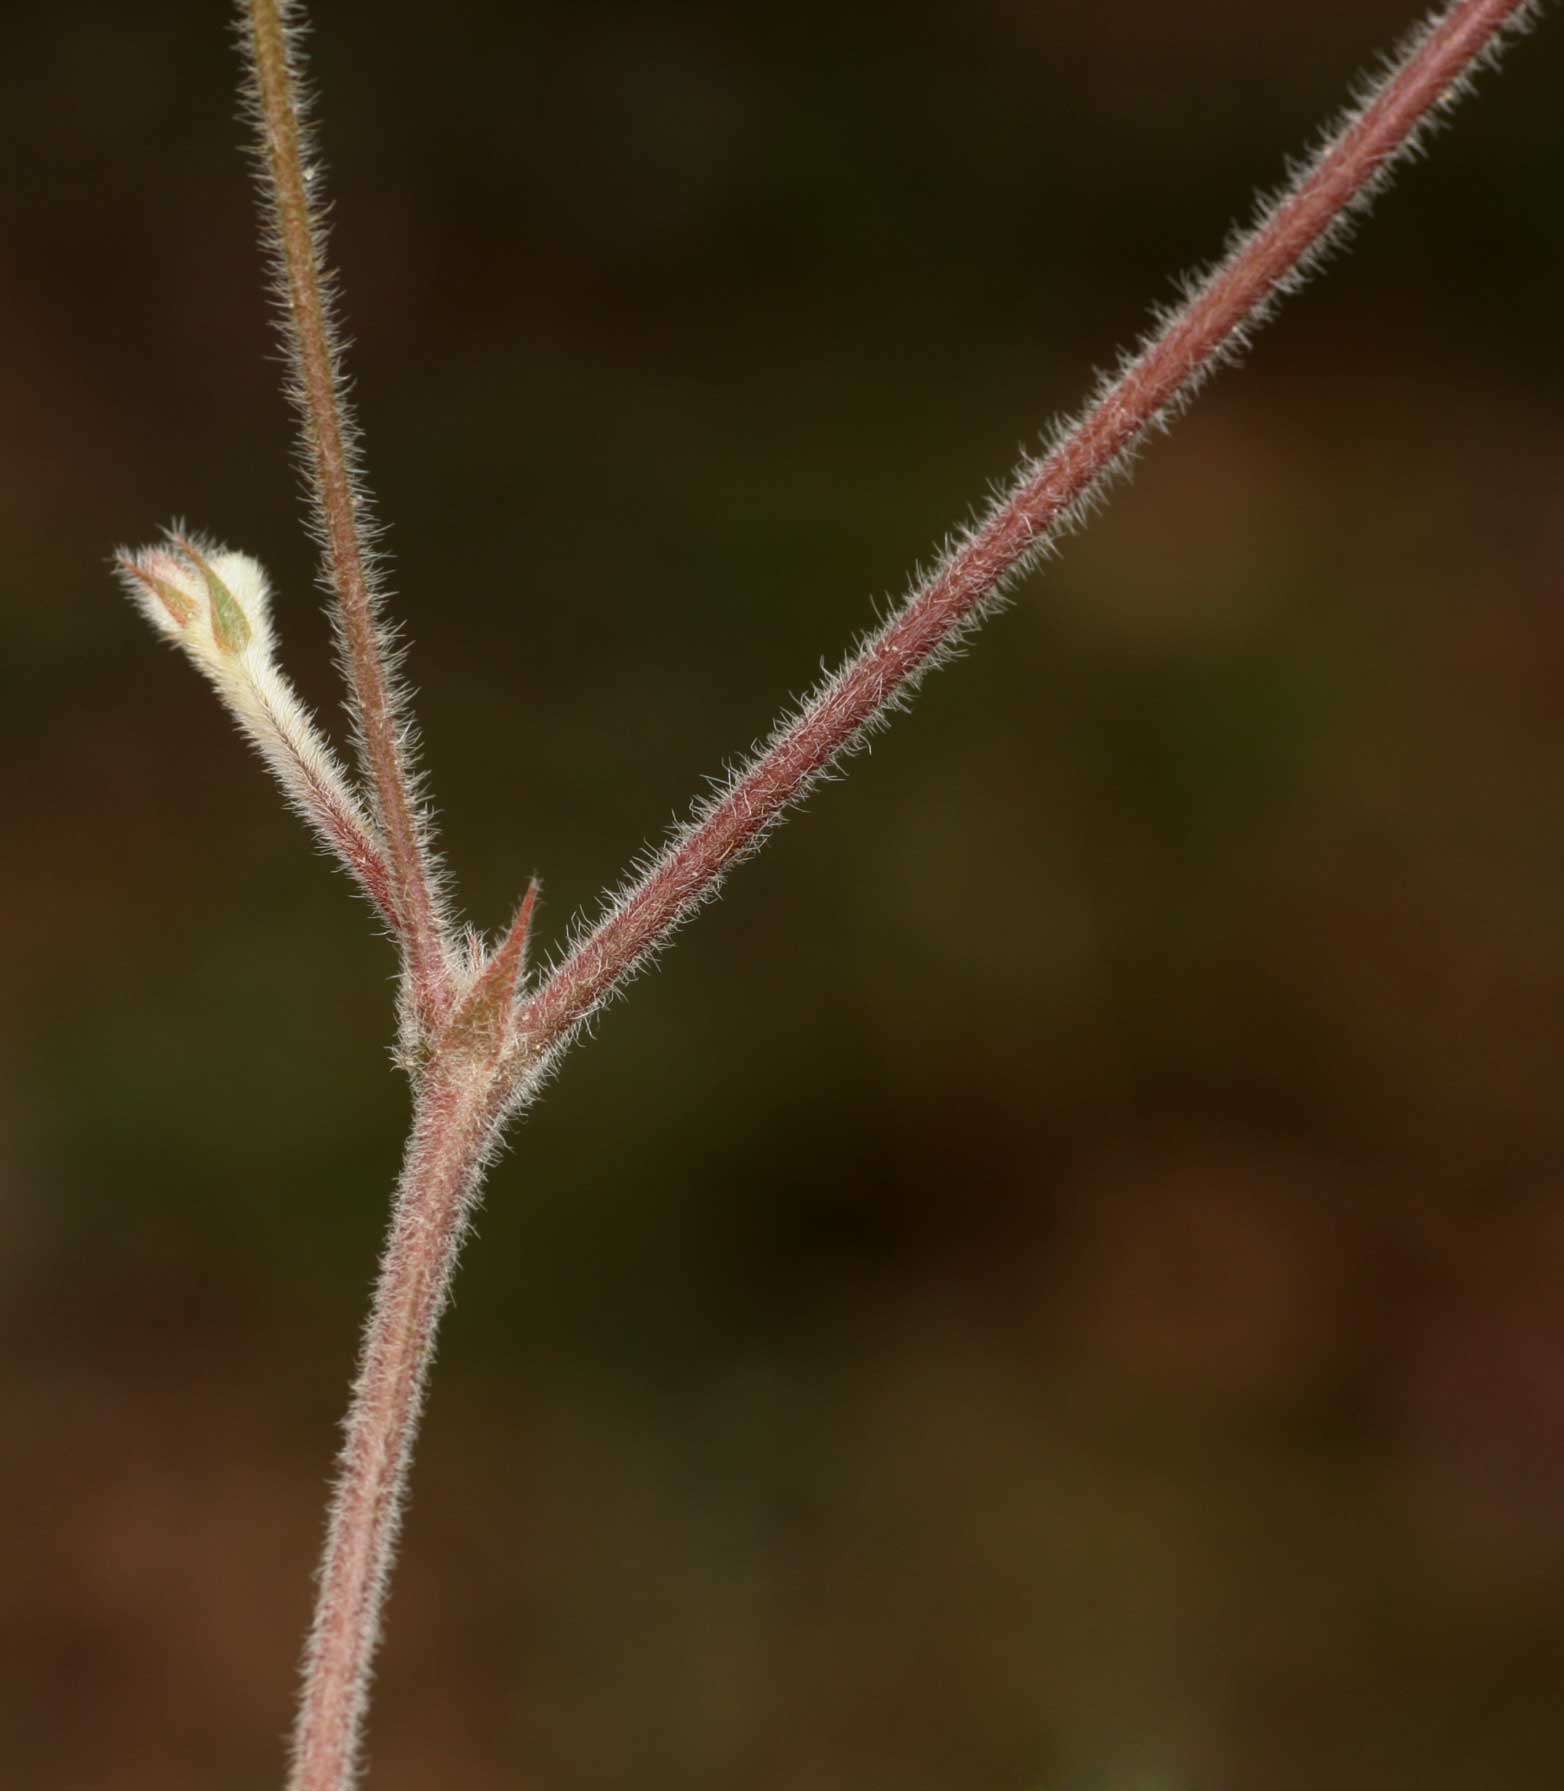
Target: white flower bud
[[216, 605]]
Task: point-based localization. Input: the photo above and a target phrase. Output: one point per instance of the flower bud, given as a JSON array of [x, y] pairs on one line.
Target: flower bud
[[213, 602], [230, 626]]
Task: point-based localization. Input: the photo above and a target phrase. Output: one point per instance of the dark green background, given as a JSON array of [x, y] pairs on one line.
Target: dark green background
[[1056, 1285]]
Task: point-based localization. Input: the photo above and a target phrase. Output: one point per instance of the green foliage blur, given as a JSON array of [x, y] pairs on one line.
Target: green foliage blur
[[1055, 1286]]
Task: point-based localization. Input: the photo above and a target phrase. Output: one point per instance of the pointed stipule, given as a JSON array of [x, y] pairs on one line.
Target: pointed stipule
[[482, 1017]]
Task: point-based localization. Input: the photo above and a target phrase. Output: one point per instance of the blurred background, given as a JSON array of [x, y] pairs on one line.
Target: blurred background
[[1056, 1285]]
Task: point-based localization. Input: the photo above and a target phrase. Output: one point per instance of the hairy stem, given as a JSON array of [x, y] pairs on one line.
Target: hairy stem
[[1043, 498], [346, 832], [453, 1128], [466, 1090], [341, 504]]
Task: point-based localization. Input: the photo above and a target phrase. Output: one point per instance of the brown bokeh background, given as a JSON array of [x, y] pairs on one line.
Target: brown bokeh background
[[1057, 1284]]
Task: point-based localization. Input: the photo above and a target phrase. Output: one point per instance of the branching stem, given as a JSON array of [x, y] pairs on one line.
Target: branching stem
[[466, 1092]]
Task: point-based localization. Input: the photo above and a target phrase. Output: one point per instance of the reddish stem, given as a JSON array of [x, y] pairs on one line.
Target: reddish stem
[[462, 1100], [453, 1127], [355, 847], [341, 506], [1195, 339]]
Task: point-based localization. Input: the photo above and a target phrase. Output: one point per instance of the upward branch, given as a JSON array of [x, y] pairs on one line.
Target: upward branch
[[1044, 496], [342, 507], [474, 1078]]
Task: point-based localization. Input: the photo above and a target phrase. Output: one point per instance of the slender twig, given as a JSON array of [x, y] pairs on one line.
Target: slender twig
[[1044, 498], [455, 1126], [341, 503], [482, 1054]]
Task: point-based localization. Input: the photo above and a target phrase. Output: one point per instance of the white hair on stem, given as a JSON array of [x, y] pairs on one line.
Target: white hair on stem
[[343, 520], [216, 605], [1291, 232]]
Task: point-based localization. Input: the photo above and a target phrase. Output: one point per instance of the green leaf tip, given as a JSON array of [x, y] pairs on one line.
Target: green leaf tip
[[230, 625]]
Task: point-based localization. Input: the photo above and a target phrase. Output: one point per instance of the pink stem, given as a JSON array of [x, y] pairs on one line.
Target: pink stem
[[461, 1102], [342, 506], [453, 1128], [347, 834], [1208, 328]]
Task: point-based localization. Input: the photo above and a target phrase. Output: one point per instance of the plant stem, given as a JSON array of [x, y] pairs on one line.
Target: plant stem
[[454, 1126], [341, 504], [465, 1094], [1044, 498], [344, 829]]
